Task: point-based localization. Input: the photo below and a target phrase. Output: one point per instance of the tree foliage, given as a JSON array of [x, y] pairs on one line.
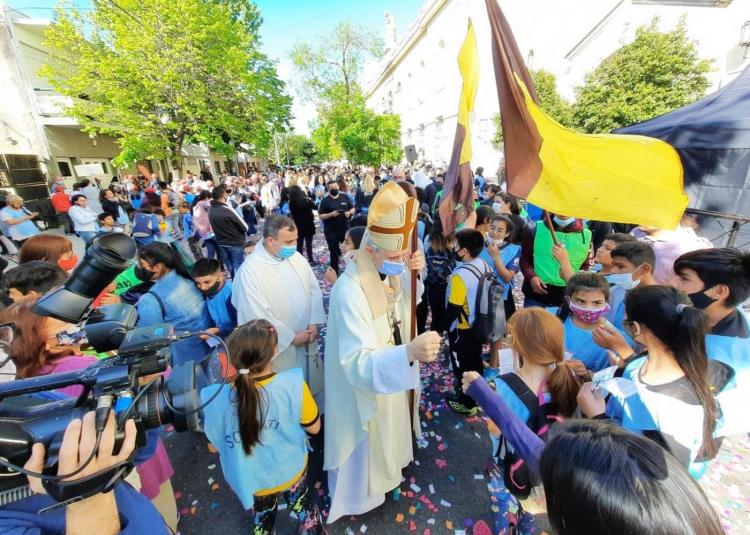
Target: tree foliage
[[336, 62], [348, 129], [550, 99], [329, 76], [296, 149], [159, 74], [656, 73]]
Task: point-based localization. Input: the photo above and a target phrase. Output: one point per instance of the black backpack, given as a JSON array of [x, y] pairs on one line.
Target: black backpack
[[484, 312], [440, 265], [542, 416]]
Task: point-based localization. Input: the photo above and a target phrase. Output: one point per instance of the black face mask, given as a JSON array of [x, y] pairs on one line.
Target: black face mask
[[701, 300], [334, 193], [213, 290], [143, 274]]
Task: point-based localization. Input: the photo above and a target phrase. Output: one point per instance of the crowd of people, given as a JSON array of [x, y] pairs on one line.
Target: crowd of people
[[607, 358]]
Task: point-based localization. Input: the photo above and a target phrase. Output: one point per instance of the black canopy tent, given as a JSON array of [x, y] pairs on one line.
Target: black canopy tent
[[712, 137]]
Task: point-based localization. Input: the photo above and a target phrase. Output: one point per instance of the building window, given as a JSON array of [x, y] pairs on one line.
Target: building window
[[217, 166], [64, 168], [104, 168]]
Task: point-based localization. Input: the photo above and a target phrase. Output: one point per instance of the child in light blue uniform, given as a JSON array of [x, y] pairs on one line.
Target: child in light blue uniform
[[209, 279], [503, 258], [585, 308], [675, 385], [259, 426]]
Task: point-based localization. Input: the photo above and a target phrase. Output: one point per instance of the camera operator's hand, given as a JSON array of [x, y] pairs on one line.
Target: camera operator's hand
[[97, 514], [212, 330]]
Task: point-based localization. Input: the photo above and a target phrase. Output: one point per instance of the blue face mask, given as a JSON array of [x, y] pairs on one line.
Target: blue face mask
[[564, 222], [622, 280], [287, 251], [391, 268]]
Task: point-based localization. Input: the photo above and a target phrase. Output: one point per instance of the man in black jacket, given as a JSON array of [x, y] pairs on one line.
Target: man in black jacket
[[229, 228]]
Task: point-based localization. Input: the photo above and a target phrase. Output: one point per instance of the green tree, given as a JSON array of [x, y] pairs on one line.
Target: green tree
[[159, 74], [336, 62], [656, 73], [297, 149], [348, 129], [329, 76], [550, 99]]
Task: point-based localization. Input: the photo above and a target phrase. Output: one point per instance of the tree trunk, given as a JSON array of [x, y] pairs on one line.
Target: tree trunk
[[176, 160]]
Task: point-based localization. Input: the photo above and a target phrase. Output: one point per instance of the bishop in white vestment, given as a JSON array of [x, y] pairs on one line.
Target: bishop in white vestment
[[369, 367]]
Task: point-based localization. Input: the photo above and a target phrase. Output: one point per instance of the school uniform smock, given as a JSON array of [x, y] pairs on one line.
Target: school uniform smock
[[668, 413], [280, 458]]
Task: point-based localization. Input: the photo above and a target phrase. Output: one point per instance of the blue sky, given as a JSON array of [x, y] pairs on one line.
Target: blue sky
[[287, 21]]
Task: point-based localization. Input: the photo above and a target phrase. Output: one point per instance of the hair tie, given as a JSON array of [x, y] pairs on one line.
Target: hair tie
[[680, 307], [243, 371], [270, 328]]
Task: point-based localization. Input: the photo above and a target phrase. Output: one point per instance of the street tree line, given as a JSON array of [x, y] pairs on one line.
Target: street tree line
[[160, 74], [654, 74]]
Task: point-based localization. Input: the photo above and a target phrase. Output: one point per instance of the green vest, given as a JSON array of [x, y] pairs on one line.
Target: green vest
[[126, 280], [546, 266]]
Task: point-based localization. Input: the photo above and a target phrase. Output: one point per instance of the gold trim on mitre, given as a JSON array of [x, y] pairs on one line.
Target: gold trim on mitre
[[391, 218]]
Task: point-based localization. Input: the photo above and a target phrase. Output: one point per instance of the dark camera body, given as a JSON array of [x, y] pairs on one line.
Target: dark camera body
[[30, 410]]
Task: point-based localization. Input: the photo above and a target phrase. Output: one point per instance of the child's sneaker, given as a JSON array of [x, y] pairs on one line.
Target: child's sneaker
[[460, 408]]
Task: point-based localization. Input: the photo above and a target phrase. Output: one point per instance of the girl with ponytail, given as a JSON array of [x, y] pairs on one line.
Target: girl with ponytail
[[675, 382], [541, 391], [259, 426]]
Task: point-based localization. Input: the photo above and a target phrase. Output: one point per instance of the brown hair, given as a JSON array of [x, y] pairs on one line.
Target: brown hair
[[29, 344], [48, 247], [538, 336], [251, 347]]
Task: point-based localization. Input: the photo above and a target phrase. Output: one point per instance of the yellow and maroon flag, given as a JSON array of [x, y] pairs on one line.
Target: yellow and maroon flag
[[616, 178], [458, 188]]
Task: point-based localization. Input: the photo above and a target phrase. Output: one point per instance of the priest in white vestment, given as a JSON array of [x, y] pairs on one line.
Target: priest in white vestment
[[276, 283], [369, 366]]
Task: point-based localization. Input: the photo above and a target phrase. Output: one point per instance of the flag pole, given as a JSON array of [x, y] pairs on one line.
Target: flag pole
[[551, 228], [413, 275], [548, 220]]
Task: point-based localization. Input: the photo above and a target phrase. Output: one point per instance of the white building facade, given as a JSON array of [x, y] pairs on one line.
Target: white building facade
[[419, 78]]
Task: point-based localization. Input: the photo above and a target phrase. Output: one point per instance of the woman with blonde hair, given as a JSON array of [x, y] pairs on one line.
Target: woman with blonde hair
[[17, 220], [365, 194]]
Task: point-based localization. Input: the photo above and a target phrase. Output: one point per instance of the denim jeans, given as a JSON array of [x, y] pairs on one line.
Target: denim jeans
[[234, 255], [87, 236]]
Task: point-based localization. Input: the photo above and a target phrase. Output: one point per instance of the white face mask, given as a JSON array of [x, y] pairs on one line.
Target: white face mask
[[622, 280], [497, 207]]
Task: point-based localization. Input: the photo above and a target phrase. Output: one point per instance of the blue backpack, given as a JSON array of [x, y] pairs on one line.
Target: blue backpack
[[143, 225]]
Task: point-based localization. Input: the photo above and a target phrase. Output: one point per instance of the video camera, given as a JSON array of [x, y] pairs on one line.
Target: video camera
[[30, 410]]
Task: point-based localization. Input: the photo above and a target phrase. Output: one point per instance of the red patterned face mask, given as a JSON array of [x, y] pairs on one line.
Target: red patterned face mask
[[588, 315]]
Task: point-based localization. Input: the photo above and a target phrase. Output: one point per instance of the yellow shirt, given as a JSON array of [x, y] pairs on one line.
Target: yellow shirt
[[457, 297], [308, 417]]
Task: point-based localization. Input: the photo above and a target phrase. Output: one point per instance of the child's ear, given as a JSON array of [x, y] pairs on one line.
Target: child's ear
[[719, 292]]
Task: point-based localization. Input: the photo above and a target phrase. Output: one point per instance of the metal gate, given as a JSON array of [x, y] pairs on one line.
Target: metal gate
[[22, 174]]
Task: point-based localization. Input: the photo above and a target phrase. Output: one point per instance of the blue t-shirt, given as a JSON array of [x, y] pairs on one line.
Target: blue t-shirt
[[510, 255], [222, 311], [580, 343]]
